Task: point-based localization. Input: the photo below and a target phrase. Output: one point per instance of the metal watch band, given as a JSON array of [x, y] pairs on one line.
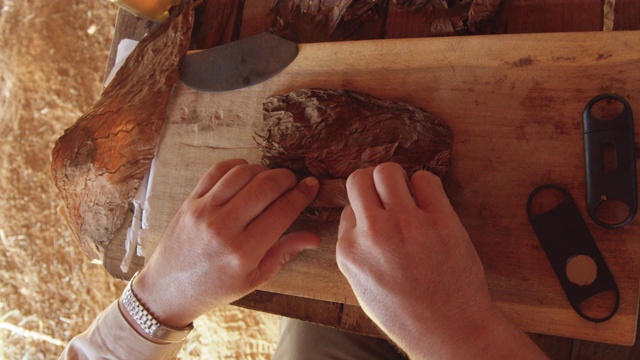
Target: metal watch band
[[147, 322]]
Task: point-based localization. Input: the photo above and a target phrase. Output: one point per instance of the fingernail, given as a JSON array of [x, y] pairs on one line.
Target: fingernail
[[309, 184]]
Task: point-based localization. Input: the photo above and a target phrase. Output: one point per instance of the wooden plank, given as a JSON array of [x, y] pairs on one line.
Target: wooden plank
[[556, 348], [127, 26], [320, 312], [355, 320], [627, 11], [586, 350], [627, 15], [115, 252], [540, 16], [514, 103], [344, 317]]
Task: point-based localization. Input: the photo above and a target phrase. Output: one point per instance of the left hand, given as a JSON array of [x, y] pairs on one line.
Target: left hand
[[416, 273], [225, 241]]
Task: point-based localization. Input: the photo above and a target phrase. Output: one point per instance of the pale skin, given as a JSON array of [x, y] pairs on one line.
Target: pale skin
[[400, 245]]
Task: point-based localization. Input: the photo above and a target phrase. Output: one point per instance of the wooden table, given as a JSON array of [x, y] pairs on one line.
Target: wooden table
[[247, 18]]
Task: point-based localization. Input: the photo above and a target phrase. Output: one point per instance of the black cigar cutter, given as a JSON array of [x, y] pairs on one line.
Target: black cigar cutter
[[610, 162], [565, 238]]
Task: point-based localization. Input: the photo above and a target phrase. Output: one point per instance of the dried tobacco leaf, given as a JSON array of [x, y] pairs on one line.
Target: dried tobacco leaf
[[416, 5], [212, 22], [331, 133], [99, 162], [449, 17], [322, 20], [481, 14]]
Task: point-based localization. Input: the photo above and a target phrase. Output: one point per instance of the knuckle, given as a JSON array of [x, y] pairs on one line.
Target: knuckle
[[274, 181], [286, 257], [289, 204], [219, 168], [350, 257], [344, 254], [227, 168], [222, 221], [344, 248], [194, 215], [248, 170], [237, 173], [232, 254], [237, 255], [215, 231], [214, 226]]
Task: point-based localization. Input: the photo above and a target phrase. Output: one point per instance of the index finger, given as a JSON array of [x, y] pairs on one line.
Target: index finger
[[214, 174], [278, 217]]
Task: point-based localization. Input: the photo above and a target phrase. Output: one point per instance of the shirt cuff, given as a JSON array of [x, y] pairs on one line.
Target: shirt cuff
[[111, 336]]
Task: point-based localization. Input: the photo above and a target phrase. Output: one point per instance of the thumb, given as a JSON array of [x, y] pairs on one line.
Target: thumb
[[285, 250]]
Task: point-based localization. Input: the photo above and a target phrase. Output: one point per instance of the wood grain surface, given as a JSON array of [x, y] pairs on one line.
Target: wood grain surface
[[514, 103]]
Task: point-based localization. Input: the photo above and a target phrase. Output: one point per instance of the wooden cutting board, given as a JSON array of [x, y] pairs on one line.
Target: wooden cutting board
[[515, 105]]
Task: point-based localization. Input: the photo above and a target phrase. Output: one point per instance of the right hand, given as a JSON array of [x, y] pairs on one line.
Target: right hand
[[412, 265], [227, 238]]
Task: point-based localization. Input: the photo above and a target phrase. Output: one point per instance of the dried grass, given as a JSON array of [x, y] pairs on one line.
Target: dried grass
[[51, 66]]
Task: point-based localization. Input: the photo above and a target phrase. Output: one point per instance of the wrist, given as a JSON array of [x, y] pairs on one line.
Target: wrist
[[487, 334], [143, 320], [430, 335], [169, 305]]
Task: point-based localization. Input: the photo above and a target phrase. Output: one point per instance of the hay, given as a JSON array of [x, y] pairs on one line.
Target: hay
[[51, 69]]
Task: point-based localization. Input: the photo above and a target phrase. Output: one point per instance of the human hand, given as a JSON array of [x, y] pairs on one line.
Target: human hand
[[413, 267], [226, 240]]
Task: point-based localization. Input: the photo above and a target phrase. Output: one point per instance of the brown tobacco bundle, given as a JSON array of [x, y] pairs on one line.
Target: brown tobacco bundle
[[322, 20], [331, 133], [99, 162], [449, 17]]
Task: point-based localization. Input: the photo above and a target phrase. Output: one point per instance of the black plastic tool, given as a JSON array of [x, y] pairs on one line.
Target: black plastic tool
[[610, 161], [564, 236]]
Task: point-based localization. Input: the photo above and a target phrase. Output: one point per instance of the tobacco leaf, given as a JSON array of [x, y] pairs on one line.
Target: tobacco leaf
[[331, 133], [322, 20], [98, 163], [416, 5], [482, 14], [448, 17], [213, 23]]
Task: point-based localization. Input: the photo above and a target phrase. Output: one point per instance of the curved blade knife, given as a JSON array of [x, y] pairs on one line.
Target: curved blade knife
[[238, 64]]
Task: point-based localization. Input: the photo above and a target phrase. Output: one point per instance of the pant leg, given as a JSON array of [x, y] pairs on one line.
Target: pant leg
[[303, 340]]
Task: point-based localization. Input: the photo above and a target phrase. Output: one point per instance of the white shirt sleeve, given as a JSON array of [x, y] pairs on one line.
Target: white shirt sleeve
[[111, 337]]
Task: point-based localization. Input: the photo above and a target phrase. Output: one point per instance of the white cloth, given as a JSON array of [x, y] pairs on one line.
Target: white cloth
[[111, 337]]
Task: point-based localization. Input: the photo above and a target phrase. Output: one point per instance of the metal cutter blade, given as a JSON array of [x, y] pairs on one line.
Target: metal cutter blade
[[238, 64]]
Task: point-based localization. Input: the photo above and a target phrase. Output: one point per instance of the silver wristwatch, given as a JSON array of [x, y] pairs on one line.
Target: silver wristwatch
[[148, 323]]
